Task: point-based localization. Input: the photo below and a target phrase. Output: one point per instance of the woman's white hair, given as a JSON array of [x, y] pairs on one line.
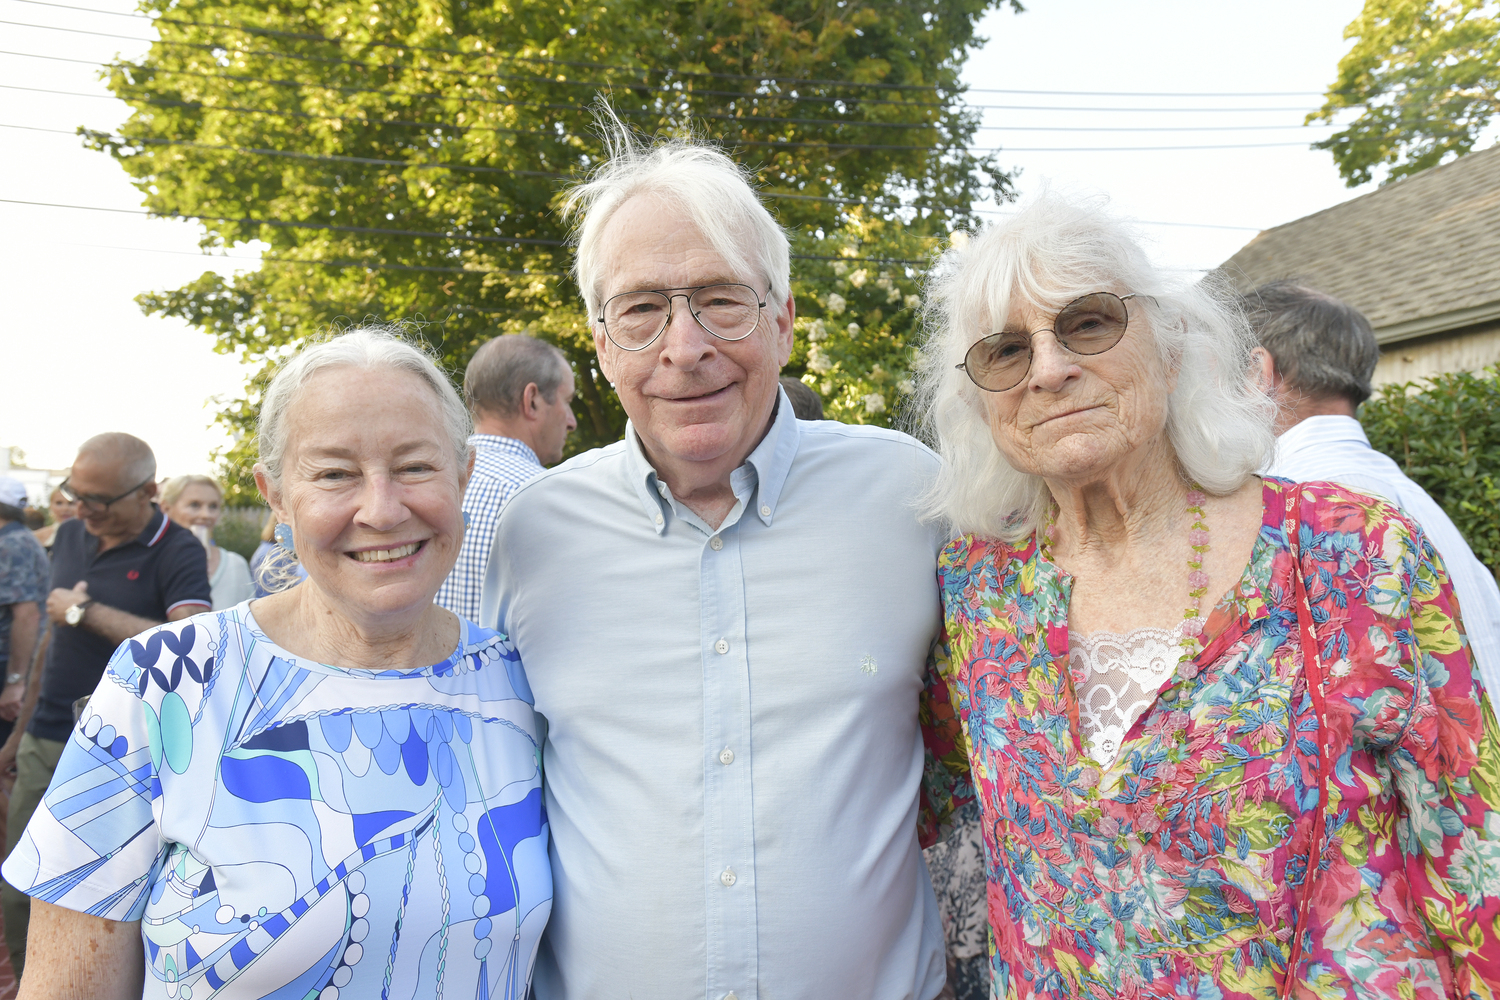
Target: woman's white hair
[[712, 189], [1219, 422], [367, 348]]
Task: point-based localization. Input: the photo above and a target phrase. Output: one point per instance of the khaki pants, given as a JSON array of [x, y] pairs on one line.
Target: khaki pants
[[36, 759]]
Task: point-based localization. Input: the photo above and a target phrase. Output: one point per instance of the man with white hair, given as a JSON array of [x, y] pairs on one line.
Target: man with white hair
[[725, 619]]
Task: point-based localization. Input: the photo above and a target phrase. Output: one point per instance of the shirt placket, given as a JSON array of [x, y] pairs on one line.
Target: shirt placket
[[728, 831]]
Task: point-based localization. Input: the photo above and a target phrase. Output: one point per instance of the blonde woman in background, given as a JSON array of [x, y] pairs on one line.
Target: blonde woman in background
[[62, 510], [197, 503]]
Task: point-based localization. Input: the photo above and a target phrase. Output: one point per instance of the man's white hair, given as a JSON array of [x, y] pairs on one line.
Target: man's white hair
[[711, 188], [1219, 422]]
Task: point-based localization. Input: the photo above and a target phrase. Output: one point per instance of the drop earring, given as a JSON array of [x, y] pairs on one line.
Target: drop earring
[[466, 520], [283, 536]]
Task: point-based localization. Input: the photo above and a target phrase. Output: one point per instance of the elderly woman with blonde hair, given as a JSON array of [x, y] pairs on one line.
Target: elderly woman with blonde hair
[[1224, 731], [333, 791]]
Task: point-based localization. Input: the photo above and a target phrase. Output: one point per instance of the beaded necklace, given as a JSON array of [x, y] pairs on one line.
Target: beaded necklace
[[1197, 578]]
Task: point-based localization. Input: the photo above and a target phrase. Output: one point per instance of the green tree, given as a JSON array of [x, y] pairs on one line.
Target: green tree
[[1445, 434], [1426, 76], [402, 161]]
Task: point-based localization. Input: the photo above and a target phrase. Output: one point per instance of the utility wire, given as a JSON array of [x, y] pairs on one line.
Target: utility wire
[[137, 211], [462, 167], [156, 102], [309, 36], [366, 230], [608, 85]]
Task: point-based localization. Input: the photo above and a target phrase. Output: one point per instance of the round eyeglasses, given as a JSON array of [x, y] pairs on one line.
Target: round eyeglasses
[[1090, 324], [633, 320]]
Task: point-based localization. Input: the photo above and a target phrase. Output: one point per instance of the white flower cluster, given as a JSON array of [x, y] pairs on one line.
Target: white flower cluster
[[852, 329], [906, 387], [817, 330], [836, 303], [817, 362], [874, 403], [858, 278]]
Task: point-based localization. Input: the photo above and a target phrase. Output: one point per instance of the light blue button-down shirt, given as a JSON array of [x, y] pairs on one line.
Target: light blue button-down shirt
[[732, 753]]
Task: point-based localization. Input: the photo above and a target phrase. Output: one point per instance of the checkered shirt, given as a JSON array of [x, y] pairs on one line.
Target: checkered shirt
[[501, 465]]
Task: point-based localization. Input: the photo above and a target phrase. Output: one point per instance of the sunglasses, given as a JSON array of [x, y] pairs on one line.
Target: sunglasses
[[94, 502], [1090, 324]]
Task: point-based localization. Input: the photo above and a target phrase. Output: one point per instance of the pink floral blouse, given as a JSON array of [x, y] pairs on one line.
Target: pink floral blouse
[[1176, 872]]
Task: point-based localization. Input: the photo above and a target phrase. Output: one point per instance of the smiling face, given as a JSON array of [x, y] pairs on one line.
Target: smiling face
[[698, 403], [197, 504], [1076, 419], [372, 489]]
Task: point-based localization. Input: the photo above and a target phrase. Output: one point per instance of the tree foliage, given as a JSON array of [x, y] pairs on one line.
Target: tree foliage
[[1426, 76], [401, 161], [1445, 435]]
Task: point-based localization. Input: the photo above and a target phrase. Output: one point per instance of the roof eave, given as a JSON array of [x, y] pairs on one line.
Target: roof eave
[[1441, 323]]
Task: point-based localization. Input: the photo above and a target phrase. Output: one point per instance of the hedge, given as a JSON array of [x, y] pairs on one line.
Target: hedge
[[1445, 433]]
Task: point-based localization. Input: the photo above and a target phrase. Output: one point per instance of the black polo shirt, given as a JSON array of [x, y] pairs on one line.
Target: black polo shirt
[[162, 569]]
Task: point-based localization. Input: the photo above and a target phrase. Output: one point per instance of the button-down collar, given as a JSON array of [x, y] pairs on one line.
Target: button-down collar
[[762, 476]]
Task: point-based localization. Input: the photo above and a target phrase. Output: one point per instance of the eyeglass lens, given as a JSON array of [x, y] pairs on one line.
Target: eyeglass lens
[[1088, 325], [729, 312]]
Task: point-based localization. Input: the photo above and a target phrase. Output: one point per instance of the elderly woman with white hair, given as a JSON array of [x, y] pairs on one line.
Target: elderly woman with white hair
[[333, 791], [1179, 681]]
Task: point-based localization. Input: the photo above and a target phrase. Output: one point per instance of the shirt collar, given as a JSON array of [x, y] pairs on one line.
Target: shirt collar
[[495, 442], [764, 471], [1322, 429]]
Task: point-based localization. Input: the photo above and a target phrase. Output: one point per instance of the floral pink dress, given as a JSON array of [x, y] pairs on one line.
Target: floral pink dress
[[1176, 871]]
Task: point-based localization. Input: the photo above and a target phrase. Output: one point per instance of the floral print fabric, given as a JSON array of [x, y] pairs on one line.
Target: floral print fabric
[[1177, 871]]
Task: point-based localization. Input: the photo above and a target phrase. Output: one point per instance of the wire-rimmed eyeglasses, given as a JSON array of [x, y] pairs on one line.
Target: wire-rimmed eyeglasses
[[1090, 324], [633, 320], [94, 502]]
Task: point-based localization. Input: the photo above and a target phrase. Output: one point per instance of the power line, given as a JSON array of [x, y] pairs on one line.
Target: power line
[[367, 230], [468, 168], [155, 102], [606, 85], [309, 36]]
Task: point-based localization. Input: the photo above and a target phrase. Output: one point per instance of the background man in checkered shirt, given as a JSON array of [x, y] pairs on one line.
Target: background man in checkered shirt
[[520, 392]]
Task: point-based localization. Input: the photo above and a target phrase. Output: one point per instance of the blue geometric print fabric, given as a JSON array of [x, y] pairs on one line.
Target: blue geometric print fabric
[[291, 830]]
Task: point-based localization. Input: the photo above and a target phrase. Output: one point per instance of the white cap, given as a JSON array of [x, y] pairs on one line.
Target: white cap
[[12, 491]]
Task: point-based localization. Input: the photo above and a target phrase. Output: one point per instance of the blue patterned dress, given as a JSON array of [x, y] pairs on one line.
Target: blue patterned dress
[[287, 829]]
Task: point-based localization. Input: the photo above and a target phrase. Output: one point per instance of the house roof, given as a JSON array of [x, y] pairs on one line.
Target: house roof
[[1418, 256]]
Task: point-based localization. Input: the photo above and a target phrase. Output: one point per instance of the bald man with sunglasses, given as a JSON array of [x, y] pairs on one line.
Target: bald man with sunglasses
[[118, 569]]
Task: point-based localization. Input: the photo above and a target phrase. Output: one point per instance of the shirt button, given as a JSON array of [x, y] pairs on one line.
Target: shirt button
[[726, 756], [658, 520], [765, 510], [721, 647], [731, 995], [727, 877], [716, 543]]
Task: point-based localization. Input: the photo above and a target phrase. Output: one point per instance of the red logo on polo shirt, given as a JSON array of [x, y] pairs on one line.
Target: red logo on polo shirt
[[134, 574]]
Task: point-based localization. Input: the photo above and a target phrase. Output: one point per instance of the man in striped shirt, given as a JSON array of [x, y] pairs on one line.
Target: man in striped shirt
[[520, 392]]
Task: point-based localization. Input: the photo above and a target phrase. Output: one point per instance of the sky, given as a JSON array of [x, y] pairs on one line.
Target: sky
[[1086, 77]]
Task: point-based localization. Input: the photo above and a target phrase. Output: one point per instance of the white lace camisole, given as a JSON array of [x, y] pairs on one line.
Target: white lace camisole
[[1118, 677]]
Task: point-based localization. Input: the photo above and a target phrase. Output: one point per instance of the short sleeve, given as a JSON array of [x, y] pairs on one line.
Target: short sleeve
[[93, 844], [184, 574], [23, 568]]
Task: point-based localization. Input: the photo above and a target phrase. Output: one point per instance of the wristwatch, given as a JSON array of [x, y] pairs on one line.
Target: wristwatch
[[74, 615]]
